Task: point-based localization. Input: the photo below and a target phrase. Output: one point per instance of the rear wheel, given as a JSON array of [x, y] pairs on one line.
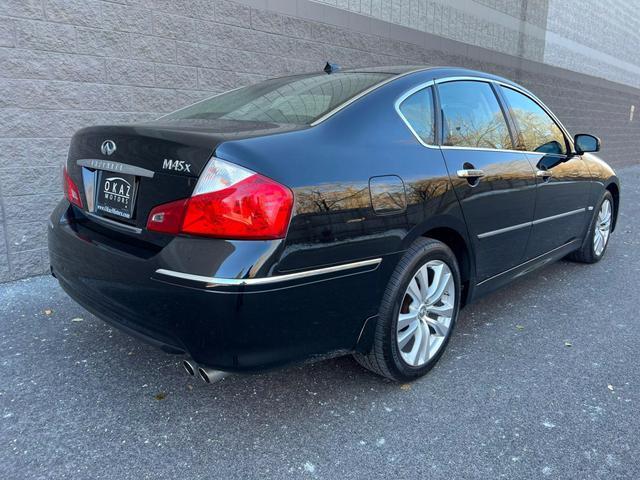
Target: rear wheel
[[417, 314], [598, 234]]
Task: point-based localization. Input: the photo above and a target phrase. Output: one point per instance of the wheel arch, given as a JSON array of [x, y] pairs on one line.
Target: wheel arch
[[614, 190], [453, 233], [458, 245]]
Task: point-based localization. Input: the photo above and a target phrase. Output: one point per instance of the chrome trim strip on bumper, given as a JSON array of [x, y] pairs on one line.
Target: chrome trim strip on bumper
[[117, 167], [214, 281], [529, 224], [113, 223]]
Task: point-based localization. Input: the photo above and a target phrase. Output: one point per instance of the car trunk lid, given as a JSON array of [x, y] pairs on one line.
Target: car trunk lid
[[124, 171]]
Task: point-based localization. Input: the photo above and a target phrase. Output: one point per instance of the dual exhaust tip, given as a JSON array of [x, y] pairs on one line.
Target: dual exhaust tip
[[208, 375]]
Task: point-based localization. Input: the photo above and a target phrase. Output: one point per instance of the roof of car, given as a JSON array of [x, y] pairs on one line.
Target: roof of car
[[437, 70], [391, 69]]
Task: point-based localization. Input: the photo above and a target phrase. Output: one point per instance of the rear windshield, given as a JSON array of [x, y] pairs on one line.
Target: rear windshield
[[295, 100]]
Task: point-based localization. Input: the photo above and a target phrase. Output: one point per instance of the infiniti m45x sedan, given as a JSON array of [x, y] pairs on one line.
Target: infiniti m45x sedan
[[316, 215]]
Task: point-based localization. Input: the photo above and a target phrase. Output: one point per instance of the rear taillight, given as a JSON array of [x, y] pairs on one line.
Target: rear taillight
[[71, 190], [228, 202]]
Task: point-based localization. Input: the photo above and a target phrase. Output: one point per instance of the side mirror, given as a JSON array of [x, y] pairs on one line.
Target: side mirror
[[586, 143]]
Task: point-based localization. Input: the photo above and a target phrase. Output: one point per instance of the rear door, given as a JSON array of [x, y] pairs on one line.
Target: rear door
[[494, 183], [563, 179]]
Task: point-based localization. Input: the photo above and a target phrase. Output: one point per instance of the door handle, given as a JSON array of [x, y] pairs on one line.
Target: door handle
[[470, 173], [546, 174]]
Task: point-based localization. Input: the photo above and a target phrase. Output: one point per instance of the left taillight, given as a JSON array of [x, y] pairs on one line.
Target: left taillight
[[71, 190], [230, 202]]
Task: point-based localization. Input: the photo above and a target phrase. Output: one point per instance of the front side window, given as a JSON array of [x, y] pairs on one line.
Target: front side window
[[417, 110], [538, 131], [297, 100], [472, 116]]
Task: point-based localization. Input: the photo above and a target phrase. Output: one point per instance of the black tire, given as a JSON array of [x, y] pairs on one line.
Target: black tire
[[384, 357], [587, 253]]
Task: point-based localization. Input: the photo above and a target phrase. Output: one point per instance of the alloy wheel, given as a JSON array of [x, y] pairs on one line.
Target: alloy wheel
[[426, 312], [602, 228]]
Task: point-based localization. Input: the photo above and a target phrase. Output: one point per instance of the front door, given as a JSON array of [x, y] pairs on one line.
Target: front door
[[494, 183], [561, 212]]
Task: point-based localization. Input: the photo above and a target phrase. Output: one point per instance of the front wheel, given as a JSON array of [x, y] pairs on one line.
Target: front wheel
[[598, 234], [417, 314]]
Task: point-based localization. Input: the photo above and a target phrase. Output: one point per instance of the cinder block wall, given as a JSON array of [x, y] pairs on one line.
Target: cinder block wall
[[65, 64]]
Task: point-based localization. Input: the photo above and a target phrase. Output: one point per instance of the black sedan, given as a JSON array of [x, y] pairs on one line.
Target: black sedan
[[325, 214]]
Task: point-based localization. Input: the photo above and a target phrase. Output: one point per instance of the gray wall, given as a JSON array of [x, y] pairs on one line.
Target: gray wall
[[65, 64], [597, 37]]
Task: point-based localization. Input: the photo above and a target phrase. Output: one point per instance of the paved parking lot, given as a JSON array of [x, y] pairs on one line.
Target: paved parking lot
[[540, 380]]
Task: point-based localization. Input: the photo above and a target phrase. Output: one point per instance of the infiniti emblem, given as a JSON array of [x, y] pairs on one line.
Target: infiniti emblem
[[108, 147]]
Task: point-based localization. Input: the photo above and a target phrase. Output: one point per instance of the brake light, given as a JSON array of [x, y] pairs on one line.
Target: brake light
[[228, 202], [71, 190]]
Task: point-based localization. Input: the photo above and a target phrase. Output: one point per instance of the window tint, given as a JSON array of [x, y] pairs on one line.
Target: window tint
[[296, 100], [472, 116], [538, 131], [418, 112]]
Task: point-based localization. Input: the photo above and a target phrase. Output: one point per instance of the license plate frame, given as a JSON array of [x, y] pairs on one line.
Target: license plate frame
[[116, 194]]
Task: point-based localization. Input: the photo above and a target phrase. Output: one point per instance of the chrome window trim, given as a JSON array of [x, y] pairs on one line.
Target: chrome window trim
[[518, 89], [215, 281], [539, 102], [483, 149], [453, 147], [498, 100], [406, 95], [465, 78], [117, 167], [357, 97], [530, 224]]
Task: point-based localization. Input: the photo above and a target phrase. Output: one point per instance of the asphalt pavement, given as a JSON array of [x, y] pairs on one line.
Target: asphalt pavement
[[540, 380]]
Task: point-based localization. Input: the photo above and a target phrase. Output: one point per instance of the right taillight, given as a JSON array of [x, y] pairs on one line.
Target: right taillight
[[71, 190], [231, 202]]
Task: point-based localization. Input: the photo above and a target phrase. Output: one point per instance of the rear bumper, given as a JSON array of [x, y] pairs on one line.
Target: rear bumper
[[236, 325]]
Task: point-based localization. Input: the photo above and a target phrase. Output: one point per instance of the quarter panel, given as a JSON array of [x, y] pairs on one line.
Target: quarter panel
[[329, 167]]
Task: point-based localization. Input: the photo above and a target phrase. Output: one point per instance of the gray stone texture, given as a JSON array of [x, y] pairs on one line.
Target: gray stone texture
[[66, 64], [611, 27]]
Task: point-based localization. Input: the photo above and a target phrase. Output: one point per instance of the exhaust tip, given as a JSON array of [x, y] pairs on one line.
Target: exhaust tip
[[211, 376], [189, 368]]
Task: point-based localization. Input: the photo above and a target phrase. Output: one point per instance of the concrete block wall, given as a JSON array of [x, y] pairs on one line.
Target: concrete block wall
[[65, 64], [596, 38], [516, 27]]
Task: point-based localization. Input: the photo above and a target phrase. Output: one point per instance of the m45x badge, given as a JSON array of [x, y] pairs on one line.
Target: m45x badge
[[176, 165]]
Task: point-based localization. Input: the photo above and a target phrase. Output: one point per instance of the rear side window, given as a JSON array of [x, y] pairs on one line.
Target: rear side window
[[537, 130], [472, 117], [295, 100], [417, 111]]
